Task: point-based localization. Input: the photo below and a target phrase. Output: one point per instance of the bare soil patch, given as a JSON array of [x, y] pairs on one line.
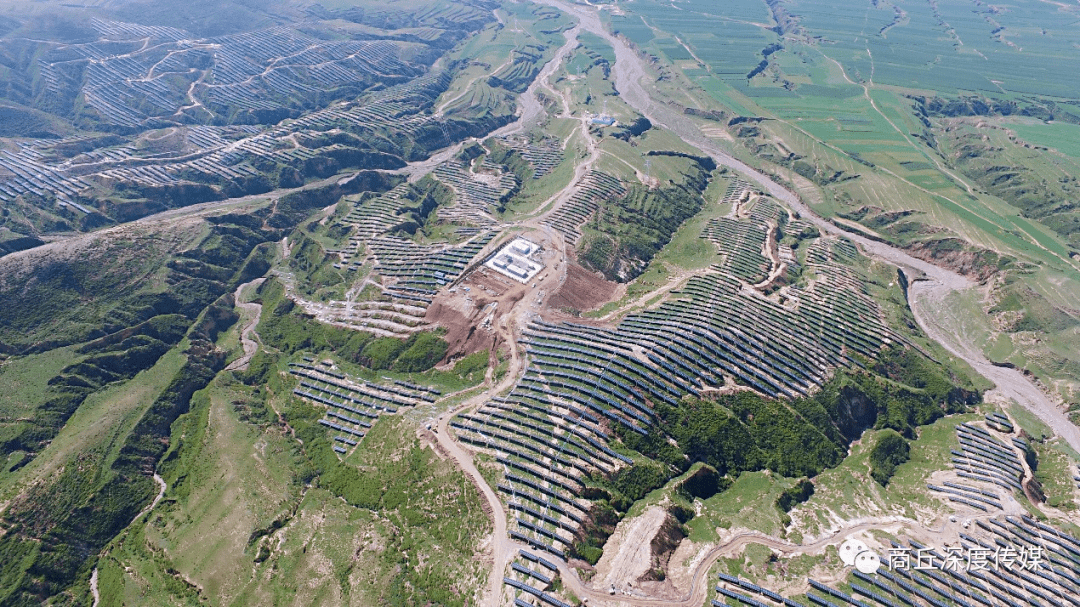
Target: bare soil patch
[[628, 553], [583, 290], [462, 332], [972, 264], [472, 313]]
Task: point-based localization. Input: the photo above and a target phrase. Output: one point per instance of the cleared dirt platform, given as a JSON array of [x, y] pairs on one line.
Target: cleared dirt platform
[[583, 290], [462, 332], [472, 313]]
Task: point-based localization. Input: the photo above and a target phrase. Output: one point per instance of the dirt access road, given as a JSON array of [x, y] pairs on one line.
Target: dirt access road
[[162, 486], [929, 291], [508, 328], [702, 586], [529, 111], [942, 323], [253, 311]]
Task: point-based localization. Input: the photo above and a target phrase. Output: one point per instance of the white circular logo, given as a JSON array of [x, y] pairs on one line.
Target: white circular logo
[[867, 562], [849, 550]]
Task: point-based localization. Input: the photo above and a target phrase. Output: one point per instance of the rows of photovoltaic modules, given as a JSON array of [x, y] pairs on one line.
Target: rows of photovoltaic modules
[[741, 240], [127, 70], [378, 215], [420, 270], [590, 191], [737, 191], [351, 407], [543, 155], [776, 349], [582, 379], [246, 70], [984, 458], [529, 576], [417, 271], [746, 258], [548, 432], [476, 197], [1055, 580], [212, 153]]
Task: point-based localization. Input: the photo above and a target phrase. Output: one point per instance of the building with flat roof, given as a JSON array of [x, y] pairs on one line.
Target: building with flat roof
[[516, 260]]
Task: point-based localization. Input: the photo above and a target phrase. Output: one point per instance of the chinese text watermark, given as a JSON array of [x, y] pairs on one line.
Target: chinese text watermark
[[955, 558]]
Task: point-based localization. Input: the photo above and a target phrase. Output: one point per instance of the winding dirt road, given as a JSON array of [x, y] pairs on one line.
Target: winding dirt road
[[701, 585], [253, 310], [926, 297], [937, 283], [531, 110], [509, 329], [161, 493], [503, 548], [94, 588], [162, 486], [927, 293], [941, 323]]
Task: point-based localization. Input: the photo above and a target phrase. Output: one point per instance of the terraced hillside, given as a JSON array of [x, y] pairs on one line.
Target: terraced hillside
[[143, 75], [939, 128], [584, 431], [391, 272], [113, 339], [984, 489], [531, 304], [156, 117]]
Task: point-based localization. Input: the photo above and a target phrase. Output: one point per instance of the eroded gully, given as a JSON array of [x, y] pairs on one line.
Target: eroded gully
[[932, 284]]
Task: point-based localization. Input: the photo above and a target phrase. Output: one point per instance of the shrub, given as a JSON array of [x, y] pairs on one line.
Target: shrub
[[637, 480], [795, 495], [703, 483], [890, 451], [590, 554], [381, 353], [423, 351]]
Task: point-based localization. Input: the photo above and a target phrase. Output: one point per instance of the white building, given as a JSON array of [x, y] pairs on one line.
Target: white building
[[515, 260]]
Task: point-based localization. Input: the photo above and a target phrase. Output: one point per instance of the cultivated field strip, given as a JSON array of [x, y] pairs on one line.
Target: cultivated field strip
[[588, 193], [353, 406]]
